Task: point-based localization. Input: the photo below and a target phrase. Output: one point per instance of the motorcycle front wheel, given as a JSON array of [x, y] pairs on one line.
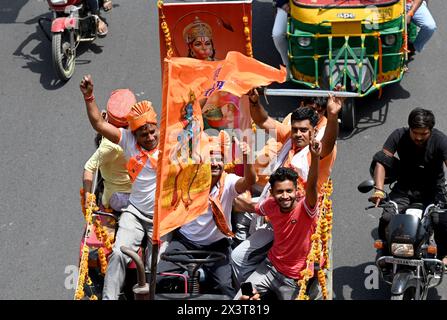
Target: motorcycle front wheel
[[63, 56]]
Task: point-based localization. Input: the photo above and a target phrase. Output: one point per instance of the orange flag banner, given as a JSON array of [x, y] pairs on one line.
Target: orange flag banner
[[184, 171]]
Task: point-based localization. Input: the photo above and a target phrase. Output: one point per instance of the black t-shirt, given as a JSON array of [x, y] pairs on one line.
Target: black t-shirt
[[421, 168]]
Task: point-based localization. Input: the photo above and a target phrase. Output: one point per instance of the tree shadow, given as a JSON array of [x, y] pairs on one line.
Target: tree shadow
[[10, 10], [39, 59]]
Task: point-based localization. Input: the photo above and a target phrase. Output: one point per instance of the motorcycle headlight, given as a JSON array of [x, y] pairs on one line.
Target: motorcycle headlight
[[58, 2], [389, 39], [304, 42], [402, 249]]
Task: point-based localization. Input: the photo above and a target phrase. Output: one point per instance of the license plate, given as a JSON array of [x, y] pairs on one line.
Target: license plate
[[406, 262]]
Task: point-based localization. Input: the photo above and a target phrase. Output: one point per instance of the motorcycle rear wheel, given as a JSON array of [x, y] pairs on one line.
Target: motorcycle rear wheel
[[63, 57]]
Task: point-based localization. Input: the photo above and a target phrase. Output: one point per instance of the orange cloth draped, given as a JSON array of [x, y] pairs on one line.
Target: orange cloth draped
[[183, 171]]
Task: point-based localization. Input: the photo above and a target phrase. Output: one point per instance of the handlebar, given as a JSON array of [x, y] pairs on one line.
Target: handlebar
[[381, 205], [105, 214]]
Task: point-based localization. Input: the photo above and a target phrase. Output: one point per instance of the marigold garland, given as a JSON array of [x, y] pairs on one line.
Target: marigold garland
[[102, 260], [320, 245], [165, 28], [247, 33], [102, 236]]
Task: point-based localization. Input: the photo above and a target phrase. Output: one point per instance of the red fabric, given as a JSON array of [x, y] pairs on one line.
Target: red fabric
[[119, 105], [292, 233]]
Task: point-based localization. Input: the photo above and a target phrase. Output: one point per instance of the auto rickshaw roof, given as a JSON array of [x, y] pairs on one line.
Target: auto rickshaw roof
[[343, 3]]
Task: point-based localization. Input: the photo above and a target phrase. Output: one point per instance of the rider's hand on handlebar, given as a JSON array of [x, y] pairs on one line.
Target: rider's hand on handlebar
[[377, 197], [86, 85]]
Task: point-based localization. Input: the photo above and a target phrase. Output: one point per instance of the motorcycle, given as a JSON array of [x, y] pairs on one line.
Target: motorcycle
[[72, 24], [410, 265]]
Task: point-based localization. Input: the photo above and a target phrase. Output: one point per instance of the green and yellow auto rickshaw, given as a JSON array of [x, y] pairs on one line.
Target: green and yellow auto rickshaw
[[360, 44]]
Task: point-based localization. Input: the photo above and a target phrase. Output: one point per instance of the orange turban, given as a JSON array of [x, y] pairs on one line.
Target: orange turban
[[119, 105], [141, 114]]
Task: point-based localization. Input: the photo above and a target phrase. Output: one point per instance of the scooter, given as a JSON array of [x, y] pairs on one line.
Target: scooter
[[410, 265], [72, 24]]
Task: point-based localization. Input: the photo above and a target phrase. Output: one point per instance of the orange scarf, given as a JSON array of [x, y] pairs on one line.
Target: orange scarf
[[216, 208], [137, 163]]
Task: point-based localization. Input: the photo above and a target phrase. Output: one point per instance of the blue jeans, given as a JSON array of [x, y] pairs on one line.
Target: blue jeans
[[424, 20]]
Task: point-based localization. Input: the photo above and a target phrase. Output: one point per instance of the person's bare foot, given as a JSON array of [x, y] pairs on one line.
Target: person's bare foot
[[107, 5], [102, 28]]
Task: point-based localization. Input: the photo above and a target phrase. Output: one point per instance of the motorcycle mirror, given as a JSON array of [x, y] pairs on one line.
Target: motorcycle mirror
[[366, 186]]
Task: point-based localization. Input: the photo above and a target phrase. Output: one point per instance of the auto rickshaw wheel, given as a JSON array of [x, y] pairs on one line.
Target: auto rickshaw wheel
[[348, 115]]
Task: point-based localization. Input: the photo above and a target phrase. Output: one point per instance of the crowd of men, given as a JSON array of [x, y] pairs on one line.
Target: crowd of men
[[265, 236]]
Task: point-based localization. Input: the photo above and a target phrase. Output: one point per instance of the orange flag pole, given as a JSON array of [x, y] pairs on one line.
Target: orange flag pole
[[156, 224]]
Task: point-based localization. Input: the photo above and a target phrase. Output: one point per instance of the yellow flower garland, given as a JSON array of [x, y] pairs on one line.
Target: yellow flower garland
[[165, 28], [319, 246], [247, 33], [102, 236]]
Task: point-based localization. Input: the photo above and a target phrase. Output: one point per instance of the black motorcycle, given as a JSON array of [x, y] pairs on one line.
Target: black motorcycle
[[410, 265]]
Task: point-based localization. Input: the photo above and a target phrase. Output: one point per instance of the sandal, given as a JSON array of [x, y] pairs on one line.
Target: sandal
[[107, 5]]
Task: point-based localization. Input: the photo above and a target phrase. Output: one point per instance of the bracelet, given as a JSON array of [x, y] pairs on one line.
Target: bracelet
[[379, 194], [410, 13], [90, 98]]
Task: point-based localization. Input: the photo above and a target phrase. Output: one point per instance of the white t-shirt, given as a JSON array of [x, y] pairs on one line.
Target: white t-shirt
[[203, 230], [142, 196]]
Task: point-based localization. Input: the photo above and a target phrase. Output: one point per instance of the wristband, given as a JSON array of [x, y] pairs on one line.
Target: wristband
[[411, 13], [379, 194], [89, 98]]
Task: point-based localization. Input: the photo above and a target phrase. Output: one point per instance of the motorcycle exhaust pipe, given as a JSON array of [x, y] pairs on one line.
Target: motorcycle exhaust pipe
[[141, 289]]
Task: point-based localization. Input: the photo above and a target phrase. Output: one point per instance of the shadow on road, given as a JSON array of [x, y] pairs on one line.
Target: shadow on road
[[39, 59], [362, 283], [372, 111], [9, 10]]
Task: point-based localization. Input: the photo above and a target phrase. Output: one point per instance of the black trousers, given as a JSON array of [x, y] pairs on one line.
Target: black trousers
[[219, 273], [93, 5], [403, 198]]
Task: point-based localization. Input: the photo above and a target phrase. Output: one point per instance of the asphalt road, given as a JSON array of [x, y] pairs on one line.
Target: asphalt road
[[46, 139]]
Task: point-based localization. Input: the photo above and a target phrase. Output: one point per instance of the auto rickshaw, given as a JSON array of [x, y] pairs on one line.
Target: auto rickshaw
[[360, 44]]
